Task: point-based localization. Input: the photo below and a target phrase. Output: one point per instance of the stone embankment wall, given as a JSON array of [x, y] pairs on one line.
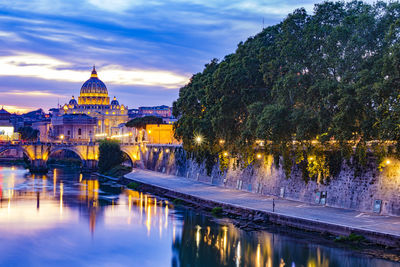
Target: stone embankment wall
[[347, 190]]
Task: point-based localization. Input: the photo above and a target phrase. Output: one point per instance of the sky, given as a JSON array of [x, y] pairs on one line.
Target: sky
[[144, 50]]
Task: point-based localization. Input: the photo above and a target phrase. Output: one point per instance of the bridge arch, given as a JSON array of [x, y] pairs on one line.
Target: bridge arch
[[54, 150], [131, 152]]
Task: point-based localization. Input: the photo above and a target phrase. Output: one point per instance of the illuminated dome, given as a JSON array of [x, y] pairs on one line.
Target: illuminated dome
[[94, 91], [115, 102], [73, 102], [94, 85]]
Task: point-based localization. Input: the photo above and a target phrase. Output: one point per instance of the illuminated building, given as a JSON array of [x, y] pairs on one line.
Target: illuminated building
[[6, 128], [160, 134], [95, 102]]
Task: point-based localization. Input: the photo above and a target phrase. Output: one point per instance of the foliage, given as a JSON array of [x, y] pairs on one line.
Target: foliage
[[216, 211], [118, 171], [177, 201], [28, 133], [351, 238], [133, 186], [141, 122], [333, 75], [223, 162], [110, 155]]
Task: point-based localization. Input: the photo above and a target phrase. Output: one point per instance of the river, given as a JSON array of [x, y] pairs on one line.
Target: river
[[66, 218]]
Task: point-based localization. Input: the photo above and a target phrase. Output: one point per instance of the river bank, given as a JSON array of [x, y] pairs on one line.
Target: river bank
[[378, 235]]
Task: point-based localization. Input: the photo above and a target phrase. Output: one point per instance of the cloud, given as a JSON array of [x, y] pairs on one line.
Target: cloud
[[34, 65], [30, 93], [18, 109]]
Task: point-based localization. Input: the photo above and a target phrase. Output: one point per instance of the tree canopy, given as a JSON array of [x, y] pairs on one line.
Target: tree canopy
[[110, 155], [330, 75], [141, 122], [28, 133]]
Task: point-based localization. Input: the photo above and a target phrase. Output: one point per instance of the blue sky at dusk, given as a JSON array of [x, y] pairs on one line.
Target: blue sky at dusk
[[144, 51]]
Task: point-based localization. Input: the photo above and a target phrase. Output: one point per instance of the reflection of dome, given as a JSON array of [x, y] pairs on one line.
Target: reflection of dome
[[114, 102], [73, 102], [94, 86]]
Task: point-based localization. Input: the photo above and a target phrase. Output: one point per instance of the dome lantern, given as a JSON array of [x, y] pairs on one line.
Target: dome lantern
[[94, 72]]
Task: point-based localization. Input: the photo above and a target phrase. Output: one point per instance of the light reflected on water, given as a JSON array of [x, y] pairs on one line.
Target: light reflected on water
[[68, 218]]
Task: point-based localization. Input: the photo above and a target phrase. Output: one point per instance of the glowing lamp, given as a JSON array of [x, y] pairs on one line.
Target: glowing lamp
[[225, 154], [259, 155], [198, 139]]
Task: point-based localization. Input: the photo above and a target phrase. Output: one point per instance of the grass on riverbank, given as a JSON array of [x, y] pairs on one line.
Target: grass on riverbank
[[118, 171], [351, 238], [217, 211]]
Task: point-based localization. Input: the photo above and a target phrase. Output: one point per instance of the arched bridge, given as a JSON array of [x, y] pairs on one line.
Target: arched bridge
[[38, 153]]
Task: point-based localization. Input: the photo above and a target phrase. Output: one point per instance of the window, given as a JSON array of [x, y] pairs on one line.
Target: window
[[69, 132], [79, 131]]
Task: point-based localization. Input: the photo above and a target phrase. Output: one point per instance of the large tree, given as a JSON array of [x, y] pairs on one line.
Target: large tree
[[332, 75]]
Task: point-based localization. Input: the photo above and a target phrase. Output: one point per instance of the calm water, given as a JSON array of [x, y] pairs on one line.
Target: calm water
[[66, 218]]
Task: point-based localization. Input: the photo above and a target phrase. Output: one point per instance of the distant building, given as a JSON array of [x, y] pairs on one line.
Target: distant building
[[93, 102], [134, 113], [159, 111]]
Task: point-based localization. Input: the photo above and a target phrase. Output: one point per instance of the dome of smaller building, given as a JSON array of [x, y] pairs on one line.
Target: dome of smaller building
[[73, 102], [115, 102]]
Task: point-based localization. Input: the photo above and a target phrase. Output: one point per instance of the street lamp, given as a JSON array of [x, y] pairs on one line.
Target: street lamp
[[62, 138], [198, 139], [259, 155]]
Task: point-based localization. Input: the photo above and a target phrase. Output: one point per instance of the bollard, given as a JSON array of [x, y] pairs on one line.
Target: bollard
[[273, 205]]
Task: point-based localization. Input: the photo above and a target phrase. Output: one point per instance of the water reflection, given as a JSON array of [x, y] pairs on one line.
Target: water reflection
[[68, 218]]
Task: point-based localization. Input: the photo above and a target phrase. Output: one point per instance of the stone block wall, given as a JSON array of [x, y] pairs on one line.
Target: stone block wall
[[347, 190]]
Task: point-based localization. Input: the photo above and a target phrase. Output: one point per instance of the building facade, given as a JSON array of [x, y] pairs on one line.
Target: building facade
[[74, 127]]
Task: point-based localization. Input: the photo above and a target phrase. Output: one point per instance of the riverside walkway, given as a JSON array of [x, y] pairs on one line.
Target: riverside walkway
[[336, 221]]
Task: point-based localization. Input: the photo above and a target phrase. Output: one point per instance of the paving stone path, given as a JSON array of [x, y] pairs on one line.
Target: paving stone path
[[343, 217]]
